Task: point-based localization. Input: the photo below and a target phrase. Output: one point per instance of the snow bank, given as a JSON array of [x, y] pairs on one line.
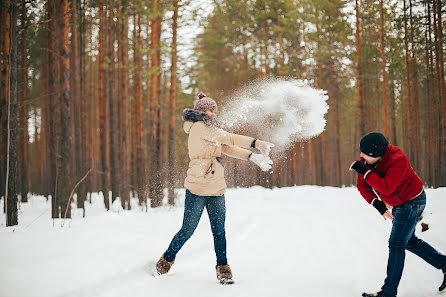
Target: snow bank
[[299, 241]]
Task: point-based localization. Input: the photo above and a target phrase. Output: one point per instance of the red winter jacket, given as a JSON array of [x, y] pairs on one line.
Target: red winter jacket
[[392, 179]]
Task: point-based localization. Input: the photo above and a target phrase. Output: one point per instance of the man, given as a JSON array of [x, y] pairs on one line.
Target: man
[[387, 180]]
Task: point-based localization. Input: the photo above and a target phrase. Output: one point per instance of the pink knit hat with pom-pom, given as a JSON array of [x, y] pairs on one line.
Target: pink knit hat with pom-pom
[[205, 103]]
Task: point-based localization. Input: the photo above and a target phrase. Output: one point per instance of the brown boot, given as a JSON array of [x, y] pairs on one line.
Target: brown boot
[[224, 274], [163, 266]]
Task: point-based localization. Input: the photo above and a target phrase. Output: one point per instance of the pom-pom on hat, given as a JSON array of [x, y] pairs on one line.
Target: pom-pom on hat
[[205, 103], [374, 144]]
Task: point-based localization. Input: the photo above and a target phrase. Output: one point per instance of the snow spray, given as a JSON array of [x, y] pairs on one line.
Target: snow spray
[[281, 111]]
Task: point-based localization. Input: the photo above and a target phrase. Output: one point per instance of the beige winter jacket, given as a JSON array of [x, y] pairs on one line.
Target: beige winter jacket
[[206, 143]]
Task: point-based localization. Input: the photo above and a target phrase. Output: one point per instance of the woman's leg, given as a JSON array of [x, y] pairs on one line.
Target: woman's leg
[[217, 214], [193, 208]]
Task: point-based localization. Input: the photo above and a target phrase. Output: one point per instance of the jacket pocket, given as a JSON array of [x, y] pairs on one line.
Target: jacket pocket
[[210, 170], [215, 171]]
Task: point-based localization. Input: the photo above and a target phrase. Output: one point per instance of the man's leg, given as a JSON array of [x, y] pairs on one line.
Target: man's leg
[[193, 208], [405, 219], [426, 252]]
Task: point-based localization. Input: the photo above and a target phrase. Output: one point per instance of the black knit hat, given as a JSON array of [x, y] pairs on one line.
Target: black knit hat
[[374, 144]]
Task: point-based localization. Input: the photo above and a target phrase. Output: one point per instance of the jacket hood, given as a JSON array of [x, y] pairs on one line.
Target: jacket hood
[[191, 116]]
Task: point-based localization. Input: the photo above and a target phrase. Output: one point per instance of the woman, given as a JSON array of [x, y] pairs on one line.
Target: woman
[[205, 183]]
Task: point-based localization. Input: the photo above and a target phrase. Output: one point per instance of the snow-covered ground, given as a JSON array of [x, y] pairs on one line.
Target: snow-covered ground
[[298, 241]]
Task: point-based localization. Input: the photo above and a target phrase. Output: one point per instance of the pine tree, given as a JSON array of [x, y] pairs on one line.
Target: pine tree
[[65, 141], [5, 26], [53, 88], [13, 115], [172, 105]]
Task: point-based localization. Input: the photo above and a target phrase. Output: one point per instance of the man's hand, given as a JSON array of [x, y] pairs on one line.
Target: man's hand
[[382, 208], [388, 215], [358, 167]]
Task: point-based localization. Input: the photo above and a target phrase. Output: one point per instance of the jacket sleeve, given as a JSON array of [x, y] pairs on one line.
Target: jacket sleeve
[[235, 152], [365, 189], [387, 184], [220, 136]]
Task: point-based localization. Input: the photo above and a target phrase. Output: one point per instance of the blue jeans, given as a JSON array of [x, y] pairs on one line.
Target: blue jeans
[[193, 208], [402, 237]]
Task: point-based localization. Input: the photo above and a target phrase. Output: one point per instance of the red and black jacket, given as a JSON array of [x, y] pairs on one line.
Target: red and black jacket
[[391, 179]]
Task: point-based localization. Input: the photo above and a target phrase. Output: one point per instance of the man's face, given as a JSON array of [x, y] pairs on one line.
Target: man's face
[[368, 159]]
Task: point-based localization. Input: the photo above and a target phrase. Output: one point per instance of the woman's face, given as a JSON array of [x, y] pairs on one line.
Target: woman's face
[[370, 160], [210, 114]]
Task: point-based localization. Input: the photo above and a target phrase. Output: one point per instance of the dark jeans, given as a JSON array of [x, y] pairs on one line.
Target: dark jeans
[[403, 238], [193, 208]]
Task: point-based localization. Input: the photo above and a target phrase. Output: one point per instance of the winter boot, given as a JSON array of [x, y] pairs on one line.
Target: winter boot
[[379, 294], [163, 266], [224, 274], [443, 285]]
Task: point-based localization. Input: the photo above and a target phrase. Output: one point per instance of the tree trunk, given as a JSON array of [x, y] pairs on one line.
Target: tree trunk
[[172, 106], [5, 26], [40, 173], [409, 88], [281, 57], [338, 176], [265, 49], [441, 81], [359, 73], [383, 68], [64, 171], [82, 193], [102, 109], [414, 106], [438, 149], [139, 158], [111, 97], [434, 114], [90, 110], [13, 116], [75, 97], [53, 88], [24, 181], [428, 114], [123, 63], [155, 185], [392, 108]]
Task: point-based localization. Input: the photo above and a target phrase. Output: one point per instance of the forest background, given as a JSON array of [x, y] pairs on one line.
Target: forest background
[[91, 91]]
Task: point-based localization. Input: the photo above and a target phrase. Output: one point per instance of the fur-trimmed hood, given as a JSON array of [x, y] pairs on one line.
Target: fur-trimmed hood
[[191, 116]]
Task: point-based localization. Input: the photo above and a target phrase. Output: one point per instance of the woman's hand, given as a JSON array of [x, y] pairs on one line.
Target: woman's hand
[[264, 147], [262, 161]]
